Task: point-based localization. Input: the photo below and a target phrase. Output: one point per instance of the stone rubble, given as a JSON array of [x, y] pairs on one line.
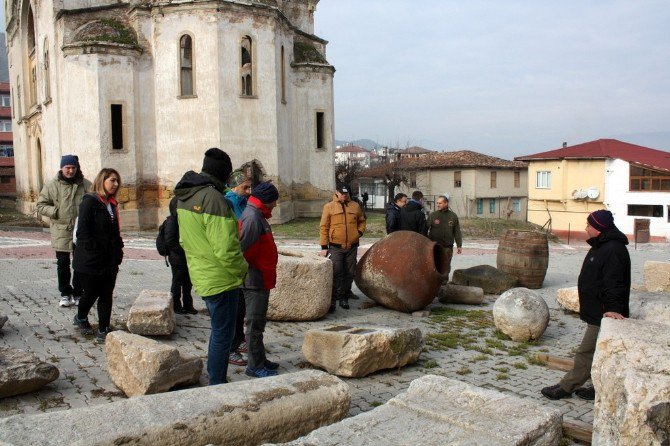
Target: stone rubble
[[23, 372], [152, 314]]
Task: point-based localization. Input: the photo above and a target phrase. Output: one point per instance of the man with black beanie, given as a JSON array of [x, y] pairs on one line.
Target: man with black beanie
[[59, 200], [604, 291], [208, 232]]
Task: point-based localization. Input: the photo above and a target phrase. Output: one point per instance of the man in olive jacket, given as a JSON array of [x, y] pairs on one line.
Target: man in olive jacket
[[342, 224], [208, 234], [443, 228], [59, 200]]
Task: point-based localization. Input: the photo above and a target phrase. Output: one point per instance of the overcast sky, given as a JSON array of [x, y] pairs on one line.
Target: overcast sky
[[506, 78]]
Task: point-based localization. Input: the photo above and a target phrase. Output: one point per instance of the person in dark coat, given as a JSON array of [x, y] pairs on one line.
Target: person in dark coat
[[604, 291], [412, 217], [182, 300], [98, 251], [393, 212]]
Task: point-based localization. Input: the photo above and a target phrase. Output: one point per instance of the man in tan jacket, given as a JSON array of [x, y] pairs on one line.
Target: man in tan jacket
[[59, 200], [342, 224]]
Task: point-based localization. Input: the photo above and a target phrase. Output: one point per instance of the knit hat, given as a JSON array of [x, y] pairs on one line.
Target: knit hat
[[69, 160], [602, 220], [266, 192], [236, 178], [217, 163]]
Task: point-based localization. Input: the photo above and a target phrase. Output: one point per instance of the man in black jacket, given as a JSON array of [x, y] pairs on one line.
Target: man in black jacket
[[604, 290], [393, 212], [412, 217]]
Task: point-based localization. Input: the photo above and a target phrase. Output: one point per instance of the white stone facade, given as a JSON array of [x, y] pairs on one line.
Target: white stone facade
[[95, 58]]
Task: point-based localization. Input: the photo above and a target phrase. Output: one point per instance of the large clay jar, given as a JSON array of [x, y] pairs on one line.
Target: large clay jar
[[403, 271]]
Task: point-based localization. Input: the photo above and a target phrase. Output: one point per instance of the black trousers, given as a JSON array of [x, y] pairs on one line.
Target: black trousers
[[64, 275], [257, 314], [239, 324], [100, 288], [181, 287], [344, 267]]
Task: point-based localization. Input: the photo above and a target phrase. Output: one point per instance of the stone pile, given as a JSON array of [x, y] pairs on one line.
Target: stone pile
[[521, 314], [23, 372], [152, 314], [356, 351]]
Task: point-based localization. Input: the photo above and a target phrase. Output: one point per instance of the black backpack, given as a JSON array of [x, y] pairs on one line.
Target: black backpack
[[161, 245]]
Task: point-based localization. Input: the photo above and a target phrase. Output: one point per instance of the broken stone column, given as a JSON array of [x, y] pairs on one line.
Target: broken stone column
[[141, 366], [460, 294], [152, 314], [490, 279], [279, 408], [568, 298], [657, 276], [438, 411], [521, 314], [23, 372], [356, 351], [304, 286], [631, 375], [652, 307]]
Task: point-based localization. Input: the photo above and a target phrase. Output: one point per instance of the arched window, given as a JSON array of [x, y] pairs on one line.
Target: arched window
[[32, 65], [186, 84], [47, 82], [283, 76], [246, 67]]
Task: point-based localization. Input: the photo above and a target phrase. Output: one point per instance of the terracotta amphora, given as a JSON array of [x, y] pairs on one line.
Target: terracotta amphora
[[403, 271]]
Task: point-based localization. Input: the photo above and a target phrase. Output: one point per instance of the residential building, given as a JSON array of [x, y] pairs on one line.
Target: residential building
[[477, 185], [7, 177], [413, 152], [351, 154], [631, 181], [147, 87]]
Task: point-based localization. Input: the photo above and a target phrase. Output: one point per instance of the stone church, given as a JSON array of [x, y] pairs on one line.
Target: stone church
[[146, 86]]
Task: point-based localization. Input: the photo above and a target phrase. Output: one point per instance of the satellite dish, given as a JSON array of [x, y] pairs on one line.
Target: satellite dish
[[593, 193]]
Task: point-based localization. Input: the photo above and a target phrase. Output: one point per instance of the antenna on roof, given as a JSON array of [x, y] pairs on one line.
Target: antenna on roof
[[565, 144]]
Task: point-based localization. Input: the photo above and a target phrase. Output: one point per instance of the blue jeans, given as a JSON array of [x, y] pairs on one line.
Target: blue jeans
[[222, 309]]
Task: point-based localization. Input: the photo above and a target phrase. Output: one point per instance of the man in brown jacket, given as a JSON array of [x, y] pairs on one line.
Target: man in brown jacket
[[342, 224]]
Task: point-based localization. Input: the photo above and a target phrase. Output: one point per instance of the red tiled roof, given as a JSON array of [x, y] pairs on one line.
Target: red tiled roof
[[351, 149], [6, 161], [415, 150], [607, 148], [447, 160]]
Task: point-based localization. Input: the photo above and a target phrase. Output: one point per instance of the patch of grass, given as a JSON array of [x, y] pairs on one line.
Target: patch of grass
[[430, 364], [520, 365], [495, 343], [532, 359], [376, 403], [308, 228], [463, 371], [502, 376], [500, 335], [480, 358], [501, 369]]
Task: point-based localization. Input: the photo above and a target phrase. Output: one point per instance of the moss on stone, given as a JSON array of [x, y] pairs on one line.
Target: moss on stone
[[306, 52]]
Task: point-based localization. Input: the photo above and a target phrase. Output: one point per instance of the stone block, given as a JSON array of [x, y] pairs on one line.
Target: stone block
[[657, 276], [460, 294], [568, 298], [304, 286], [654, 307], [356, 351], [141, 366], [23, 372], [486, 277], [152, 314], [279, 408], [436, 411], [521, 314], [631, 375]]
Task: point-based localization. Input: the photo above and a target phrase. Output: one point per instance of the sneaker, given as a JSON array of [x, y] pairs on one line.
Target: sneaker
[[586, 393], [179, 310], [101, 335], [344, 304], [243, 347], [236, 358], [74, 300], [271, 365], [555, 392], [84, 325], [261, 372], [64, 301]]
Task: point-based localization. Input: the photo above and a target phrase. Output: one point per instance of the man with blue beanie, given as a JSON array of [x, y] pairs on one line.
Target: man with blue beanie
[[59, 200]]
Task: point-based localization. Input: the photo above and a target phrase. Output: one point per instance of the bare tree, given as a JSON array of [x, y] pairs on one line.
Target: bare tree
[[347, 172], [393, 176]]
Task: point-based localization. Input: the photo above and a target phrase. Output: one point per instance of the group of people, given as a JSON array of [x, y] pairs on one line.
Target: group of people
[[221, 244]]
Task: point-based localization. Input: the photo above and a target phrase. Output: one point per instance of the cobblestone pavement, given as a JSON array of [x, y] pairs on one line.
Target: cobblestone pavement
[[36, 323]]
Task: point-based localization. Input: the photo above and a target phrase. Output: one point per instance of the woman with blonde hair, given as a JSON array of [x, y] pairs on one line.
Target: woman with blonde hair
[[99, 251]]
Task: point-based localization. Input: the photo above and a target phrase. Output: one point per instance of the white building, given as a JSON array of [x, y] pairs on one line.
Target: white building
[[352, 154], [146, 87]]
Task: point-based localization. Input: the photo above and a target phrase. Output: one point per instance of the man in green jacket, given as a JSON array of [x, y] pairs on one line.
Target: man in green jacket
[[443, 228], [59, 200], [208, 234]]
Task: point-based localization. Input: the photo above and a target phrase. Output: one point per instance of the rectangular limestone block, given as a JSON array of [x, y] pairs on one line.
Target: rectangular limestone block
[[356, 351], [631, 375], [152, 314], [657, 276], [653, 307], [279, 408], [304, 287], [441, 411], [142, 366]]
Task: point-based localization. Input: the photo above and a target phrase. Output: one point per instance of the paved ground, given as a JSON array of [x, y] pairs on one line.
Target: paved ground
[[28, 296]]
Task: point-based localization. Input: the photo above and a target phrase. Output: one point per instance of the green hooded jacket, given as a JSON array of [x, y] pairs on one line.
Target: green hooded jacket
[[208, 234], [59, 200]]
